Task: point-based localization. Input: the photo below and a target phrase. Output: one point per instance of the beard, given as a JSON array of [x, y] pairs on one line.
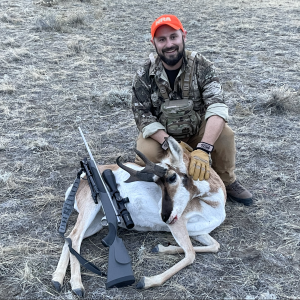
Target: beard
[[173, 60]]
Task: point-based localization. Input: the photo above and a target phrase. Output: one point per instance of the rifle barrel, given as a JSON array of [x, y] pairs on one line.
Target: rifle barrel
[[86, 144], [103, 183]]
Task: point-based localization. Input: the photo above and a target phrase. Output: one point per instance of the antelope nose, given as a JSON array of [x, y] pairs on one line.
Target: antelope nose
[[165, 217]]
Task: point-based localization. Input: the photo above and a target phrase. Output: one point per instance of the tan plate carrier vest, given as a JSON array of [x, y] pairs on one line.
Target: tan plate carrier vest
[[178, 116]]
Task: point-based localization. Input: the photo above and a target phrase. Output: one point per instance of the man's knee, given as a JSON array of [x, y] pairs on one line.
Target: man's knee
[[227, 132], [223, 155], [150, 148], [226, 138]]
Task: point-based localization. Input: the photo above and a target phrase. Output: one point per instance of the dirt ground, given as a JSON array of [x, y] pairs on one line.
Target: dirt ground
[[68, 63]]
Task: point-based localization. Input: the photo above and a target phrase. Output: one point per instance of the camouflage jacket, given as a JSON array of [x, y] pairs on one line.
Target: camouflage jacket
[[205, 91]]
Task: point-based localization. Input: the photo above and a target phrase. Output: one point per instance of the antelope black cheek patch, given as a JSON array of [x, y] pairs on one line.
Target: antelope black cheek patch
[[167, 204]]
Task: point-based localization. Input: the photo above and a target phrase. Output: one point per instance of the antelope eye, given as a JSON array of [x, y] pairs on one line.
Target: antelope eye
[[172, 179]]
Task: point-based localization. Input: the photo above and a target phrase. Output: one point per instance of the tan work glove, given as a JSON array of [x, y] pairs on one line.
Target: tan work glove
[[186, 146], [199, 165]]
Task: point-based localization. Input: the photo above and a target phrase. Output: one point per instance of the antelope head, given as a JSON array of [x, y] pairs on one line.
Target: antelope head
[[171, 174]]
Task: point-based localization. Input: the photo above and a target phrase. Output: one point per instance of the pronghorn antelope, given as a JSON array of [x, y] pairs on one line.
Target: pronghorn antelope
[[172, 202]]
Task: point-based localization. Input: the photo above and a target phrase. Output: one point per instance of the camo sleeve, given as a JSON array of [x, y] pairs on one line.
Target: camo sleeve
[[141, 99], [211, 88]]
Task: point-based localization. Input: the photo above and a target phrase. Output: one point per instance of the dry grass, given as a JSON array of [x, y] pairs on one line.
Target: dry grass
[[53, 22], [282, 99], [70, 63], [117, 98]]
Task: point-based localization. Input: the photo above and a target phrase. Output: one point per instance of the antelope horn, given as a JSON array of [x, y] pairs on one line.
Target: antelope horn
[[151, 167], [146, 174], [134, 174]]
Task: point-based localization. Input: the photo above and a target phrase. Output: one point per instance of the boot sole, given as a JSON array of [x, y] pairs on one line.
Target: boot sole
[[247, 202]]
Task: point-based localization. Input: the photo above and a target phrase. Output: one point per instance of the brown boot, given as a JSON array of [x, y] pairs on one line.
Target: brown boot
[[236, 192]]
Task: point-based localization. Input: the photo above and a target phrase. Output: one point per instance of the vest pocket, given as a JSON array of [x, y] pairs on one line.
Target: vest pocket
[[179, 118]]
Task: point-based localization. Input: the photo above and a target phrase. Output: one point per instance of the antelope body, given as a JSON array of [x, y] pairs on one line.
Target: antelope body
[[172, 202]]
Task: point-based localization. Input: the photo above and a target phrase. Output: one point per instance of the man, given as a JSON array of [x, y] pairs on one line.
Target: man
[[178, 94]]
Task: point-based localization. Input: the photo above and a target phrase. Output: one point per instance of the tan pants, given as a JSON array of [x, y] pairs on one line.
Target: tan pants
[[223, 155]]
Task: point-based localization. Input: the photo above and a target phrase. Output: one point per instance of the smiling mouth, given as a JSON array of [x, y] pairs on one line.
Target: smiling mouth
[[170, 51]]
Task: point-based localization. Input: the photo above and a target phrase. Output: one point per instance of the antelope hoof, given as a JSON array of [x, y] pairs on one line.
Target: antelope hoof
[[155, 249], [79, 292], [141, 284], [56, 285]]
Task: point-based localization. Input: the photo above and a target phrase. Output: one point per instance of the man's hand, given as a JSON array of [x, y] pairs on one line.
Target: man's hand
[[159, 136], [186, 146], [199, 165]]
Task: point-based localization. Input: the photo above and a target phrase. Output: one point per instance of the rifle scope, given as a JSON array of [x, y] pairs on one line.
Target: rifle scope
[[110, 179]]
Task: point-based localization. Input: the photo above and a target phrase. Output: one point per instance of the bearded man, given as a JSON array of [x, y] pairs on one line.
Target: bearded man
[[177, 93]]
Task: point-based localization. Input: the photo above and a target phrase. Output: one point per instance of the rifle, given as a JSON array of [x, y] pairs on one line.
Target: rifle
[[119, 271]]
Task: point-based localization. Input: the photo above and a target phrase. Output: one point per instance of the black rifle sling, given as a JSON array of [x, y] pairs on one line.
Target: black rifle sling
[[66, 212], [69, 205], [88, 265]]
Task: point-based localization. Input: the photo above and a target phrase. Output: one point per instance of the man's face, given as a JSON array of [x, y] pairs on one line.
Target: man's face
[[169, 44]]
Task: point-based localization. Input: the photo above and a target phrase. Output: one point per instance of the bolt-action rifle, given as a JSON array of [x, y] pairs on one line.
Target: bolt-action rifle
[[119, 271]]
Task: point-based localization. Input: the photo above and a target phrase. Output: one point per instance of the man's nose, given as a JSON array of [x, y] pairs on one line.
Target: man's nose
[[169, 43]]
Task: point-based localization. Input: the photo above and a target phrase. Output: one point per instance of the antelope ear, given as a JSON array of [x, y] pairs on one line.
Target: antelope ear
[[175, 150], [186, 158]]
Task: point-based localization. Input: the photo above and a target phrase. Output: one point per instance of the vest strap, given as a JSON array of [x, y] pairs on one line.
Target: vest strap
[[188, 76]]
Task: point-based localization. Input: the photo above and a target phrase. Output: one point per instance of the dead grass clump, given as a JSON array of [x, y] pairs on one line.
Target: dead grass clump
[[6, 85], [62, 1], [282, 99], [49, 23], [40, 144], [3, 143], [5, 18], [52, 22], [75, 20], [242, 110], [35, 74], [26, 274], [10, 42], [17, 54], [7, 180], [98, 14], [7, 88], [117, 98], [5, 176], [47, 3], [76, 46]]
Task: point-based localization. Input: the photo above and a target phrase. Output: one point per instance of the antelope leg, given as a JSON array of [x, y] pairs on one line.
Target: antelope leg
[[211, 246], [60, 272], [181, 236], [88, 223]]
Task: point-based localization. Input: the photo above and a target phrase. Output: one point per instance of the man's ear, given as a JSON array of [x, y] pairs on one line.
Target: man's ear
[[184, 33], [152, 41]]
